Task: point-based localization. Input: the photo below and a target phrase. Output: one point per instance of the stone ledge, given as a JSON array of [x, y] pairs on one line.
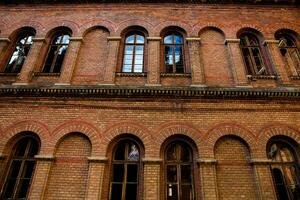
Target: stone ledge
[[265, 77], [207, 161], [4, 39], [175, 75], [261, 161], [231, 41], [98, 159], [2, 157], [153, 38], [152, 160], [193, 39], [131, 74], [114, 38], [76, 38], [44, 157], [295, 77]]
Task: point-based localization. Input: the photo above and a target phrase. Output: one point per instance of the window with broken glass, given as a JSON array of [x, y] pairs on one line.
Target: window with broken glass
[[56, 53], [290, 52], [125, 171], [173, 53], [21, 168], [252, 55], [179, 172], [285, 171], [17, 59], [133, 60]]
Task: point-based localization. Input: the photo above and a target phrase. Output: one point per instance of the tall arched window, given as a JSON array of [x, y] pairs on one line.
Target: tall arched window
[[178, 169], [289, 50], [21, 168], [285, 170], [252, 54], [56, 52], [21, 49], [126, 169], [173, 52], [133, 59]]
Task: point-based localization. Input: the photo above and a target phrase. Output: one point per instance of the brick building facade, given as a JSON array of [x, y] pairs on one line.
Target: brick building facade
[[150, 101]]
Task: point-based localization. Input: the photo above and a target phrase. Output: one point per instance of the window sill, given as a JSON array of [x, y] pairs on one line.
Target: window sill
[[265, 77], [131, 74], [45, 74], [175, 75], [295, 77], [8, 74]]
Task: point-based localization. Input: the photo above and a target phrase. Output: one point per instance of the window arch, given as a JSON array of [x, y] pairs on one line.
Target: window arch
[[173, 52], [20, 169], [21, 48], [56, 53], [290, 52], [252, 54], [134, 48], [126, 170], [178, 171], [285, 169]]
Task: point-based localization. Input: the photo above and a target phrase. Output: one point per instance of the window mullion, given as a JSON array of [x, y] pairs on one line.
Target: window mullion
[[55, 58], [133, 57], [125, 174]]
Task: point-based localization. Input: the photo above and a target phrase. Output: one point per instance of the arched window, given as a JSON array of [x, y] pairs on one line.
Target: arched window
[[285, 170], [18, 56], [173, 52], [56, 52], [252, 54], [289, 50], [178, 169], [126, 169], [21, 168], [133, 59]]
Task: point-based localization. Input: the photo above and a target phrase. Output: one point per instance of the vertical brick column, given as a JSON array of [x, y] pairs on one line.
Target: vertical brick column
[[153, 71], [70, 61], [196, 64], [30, 62], [209, 178], [112, 60], [151, 178], [278, 62], [264, 179], [96, 172], [238, 67], [39, 182], [3, 46]]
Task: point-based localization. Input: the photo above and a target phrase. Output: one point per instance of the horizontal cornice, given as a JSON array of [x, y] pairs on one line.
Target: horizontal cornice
[[112, 91]]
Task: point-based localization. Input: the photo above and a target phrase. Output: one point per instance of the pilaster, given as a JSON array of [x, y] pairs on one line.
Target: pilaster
[[152, 178], [153, 71]]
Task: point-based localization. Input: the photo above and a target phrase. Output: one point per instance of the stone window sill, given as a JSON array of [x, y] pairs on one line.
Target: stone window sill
[[131, 74], [295, 77], [46, 74], [175, 75], [264, 77]]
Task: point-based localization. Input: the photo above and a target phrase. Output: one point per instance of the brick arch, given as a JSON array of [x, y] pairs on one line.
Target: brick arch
[[271, 130], [277, 27], [36, 127], [238, 29], [82, 127], [135, 22], [214, 134], [64, 23], [88, 25], [198, 28], [39, 28], [170, 129], [185, 26], [130, 128]]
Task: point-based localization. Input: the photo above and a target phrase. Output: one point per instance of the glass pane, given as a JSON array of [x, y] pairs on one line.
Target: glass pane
[[186, 191], [29, 40], [15, 168], [131, 191], [130, 39], [171, 173], [178, 55], [138, 68], [172, 192], [66, 39], [34, 149], [185, 154], [132, 173], [140, 39], [28, 169], [118, 172], [171, 152], [128, 59], [116, 192], [168, 39], [21, 147], [9, 190], [133, 154], [59, 59], [178, 39], [57, 40], [280, 186], [50, 59], [129, 49], [23, 188], [138, 59], [139, 50], [127, 68], [186, 174], [286, 155], [168, 55]]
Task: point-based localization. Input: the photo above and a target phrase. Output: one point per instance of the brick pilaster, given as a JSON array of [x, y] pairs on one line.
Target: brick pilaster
[[70, 61], [196, 64], [153, 72], [278, 62], [111, 64], [30, 62], [208, 176], [39, 182], [152, 178], [95, 180], [238, 67]]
